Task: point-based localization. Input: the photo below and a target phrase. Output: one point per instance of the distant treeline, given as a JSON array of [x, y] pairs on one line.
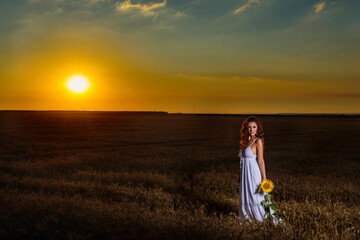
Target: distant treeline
[[207, 114]]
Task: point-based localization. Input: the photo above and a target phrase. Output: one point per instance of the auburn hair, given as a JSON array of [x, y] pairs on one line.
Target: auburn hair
[[244, 132]]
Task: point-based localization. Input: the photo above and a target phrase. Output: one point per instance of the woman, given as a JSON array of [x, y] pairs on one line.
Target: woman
[[252, 171]]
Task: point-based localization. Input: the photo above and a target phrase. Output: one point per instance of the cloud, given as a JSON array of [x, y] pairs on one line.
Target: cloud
[[143, 7], [245, 6], [350, 95], [96, 1], [319, 6], [180, 14]]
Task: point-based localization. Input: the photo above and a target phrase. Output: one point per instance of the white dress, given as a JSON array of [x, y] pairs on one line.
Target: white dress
[[250, 207]]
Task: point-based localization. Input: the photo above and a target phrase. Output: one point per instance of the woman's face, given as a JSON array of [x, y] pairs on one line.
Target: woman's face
[[252, 127]]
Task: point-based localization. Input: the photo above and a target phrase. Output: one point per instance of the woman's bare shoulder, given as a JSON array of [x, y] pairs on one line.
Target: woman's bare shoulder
[[259, 142]]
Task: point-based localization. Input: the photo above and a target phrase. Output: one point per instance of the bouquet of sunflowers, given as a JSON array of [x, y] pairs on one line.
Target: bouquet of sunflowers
[[267, 186]]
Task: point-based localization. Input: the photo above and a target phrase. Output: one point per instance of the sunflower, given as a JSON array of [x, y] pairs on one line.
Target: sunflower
[[266, 185]]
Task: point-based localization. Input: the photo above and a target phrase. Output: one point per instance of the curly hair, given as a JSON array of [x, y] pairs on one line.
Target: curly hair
[[244, 133]]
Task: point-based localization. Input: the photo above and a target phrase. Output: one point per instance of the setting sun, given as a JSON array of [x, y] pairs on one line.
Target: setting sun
[[78, 84]]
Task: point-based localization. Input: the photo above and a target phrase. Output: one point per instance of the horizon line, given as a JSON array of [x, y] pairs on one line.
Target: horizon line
[[175, 113]]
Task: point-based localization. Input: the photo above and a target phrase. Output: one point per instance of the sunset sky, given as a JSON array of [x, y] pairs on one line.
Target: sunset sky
[[202, 56]]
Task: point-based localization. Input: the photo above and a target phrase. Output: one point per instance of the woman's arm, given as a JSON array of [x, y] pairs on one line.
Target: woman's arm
[[260, 154], [239, 171]]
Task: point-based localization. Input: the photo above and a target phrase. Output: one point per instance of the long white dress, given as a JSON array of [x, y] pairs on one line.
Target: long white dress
[[250, 207]]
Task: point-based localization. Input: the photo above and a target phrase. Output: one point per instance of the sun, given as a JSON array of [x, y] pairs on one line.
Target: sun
[[78, 84]]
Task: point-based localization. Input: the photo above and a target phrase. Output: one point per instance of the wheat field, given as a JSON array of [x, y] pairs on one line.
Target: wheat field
[[111, 175]]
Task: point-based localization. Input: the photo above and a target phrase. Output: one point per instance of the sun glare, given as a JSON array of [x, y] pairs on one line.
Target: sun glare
[[78, 84]]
